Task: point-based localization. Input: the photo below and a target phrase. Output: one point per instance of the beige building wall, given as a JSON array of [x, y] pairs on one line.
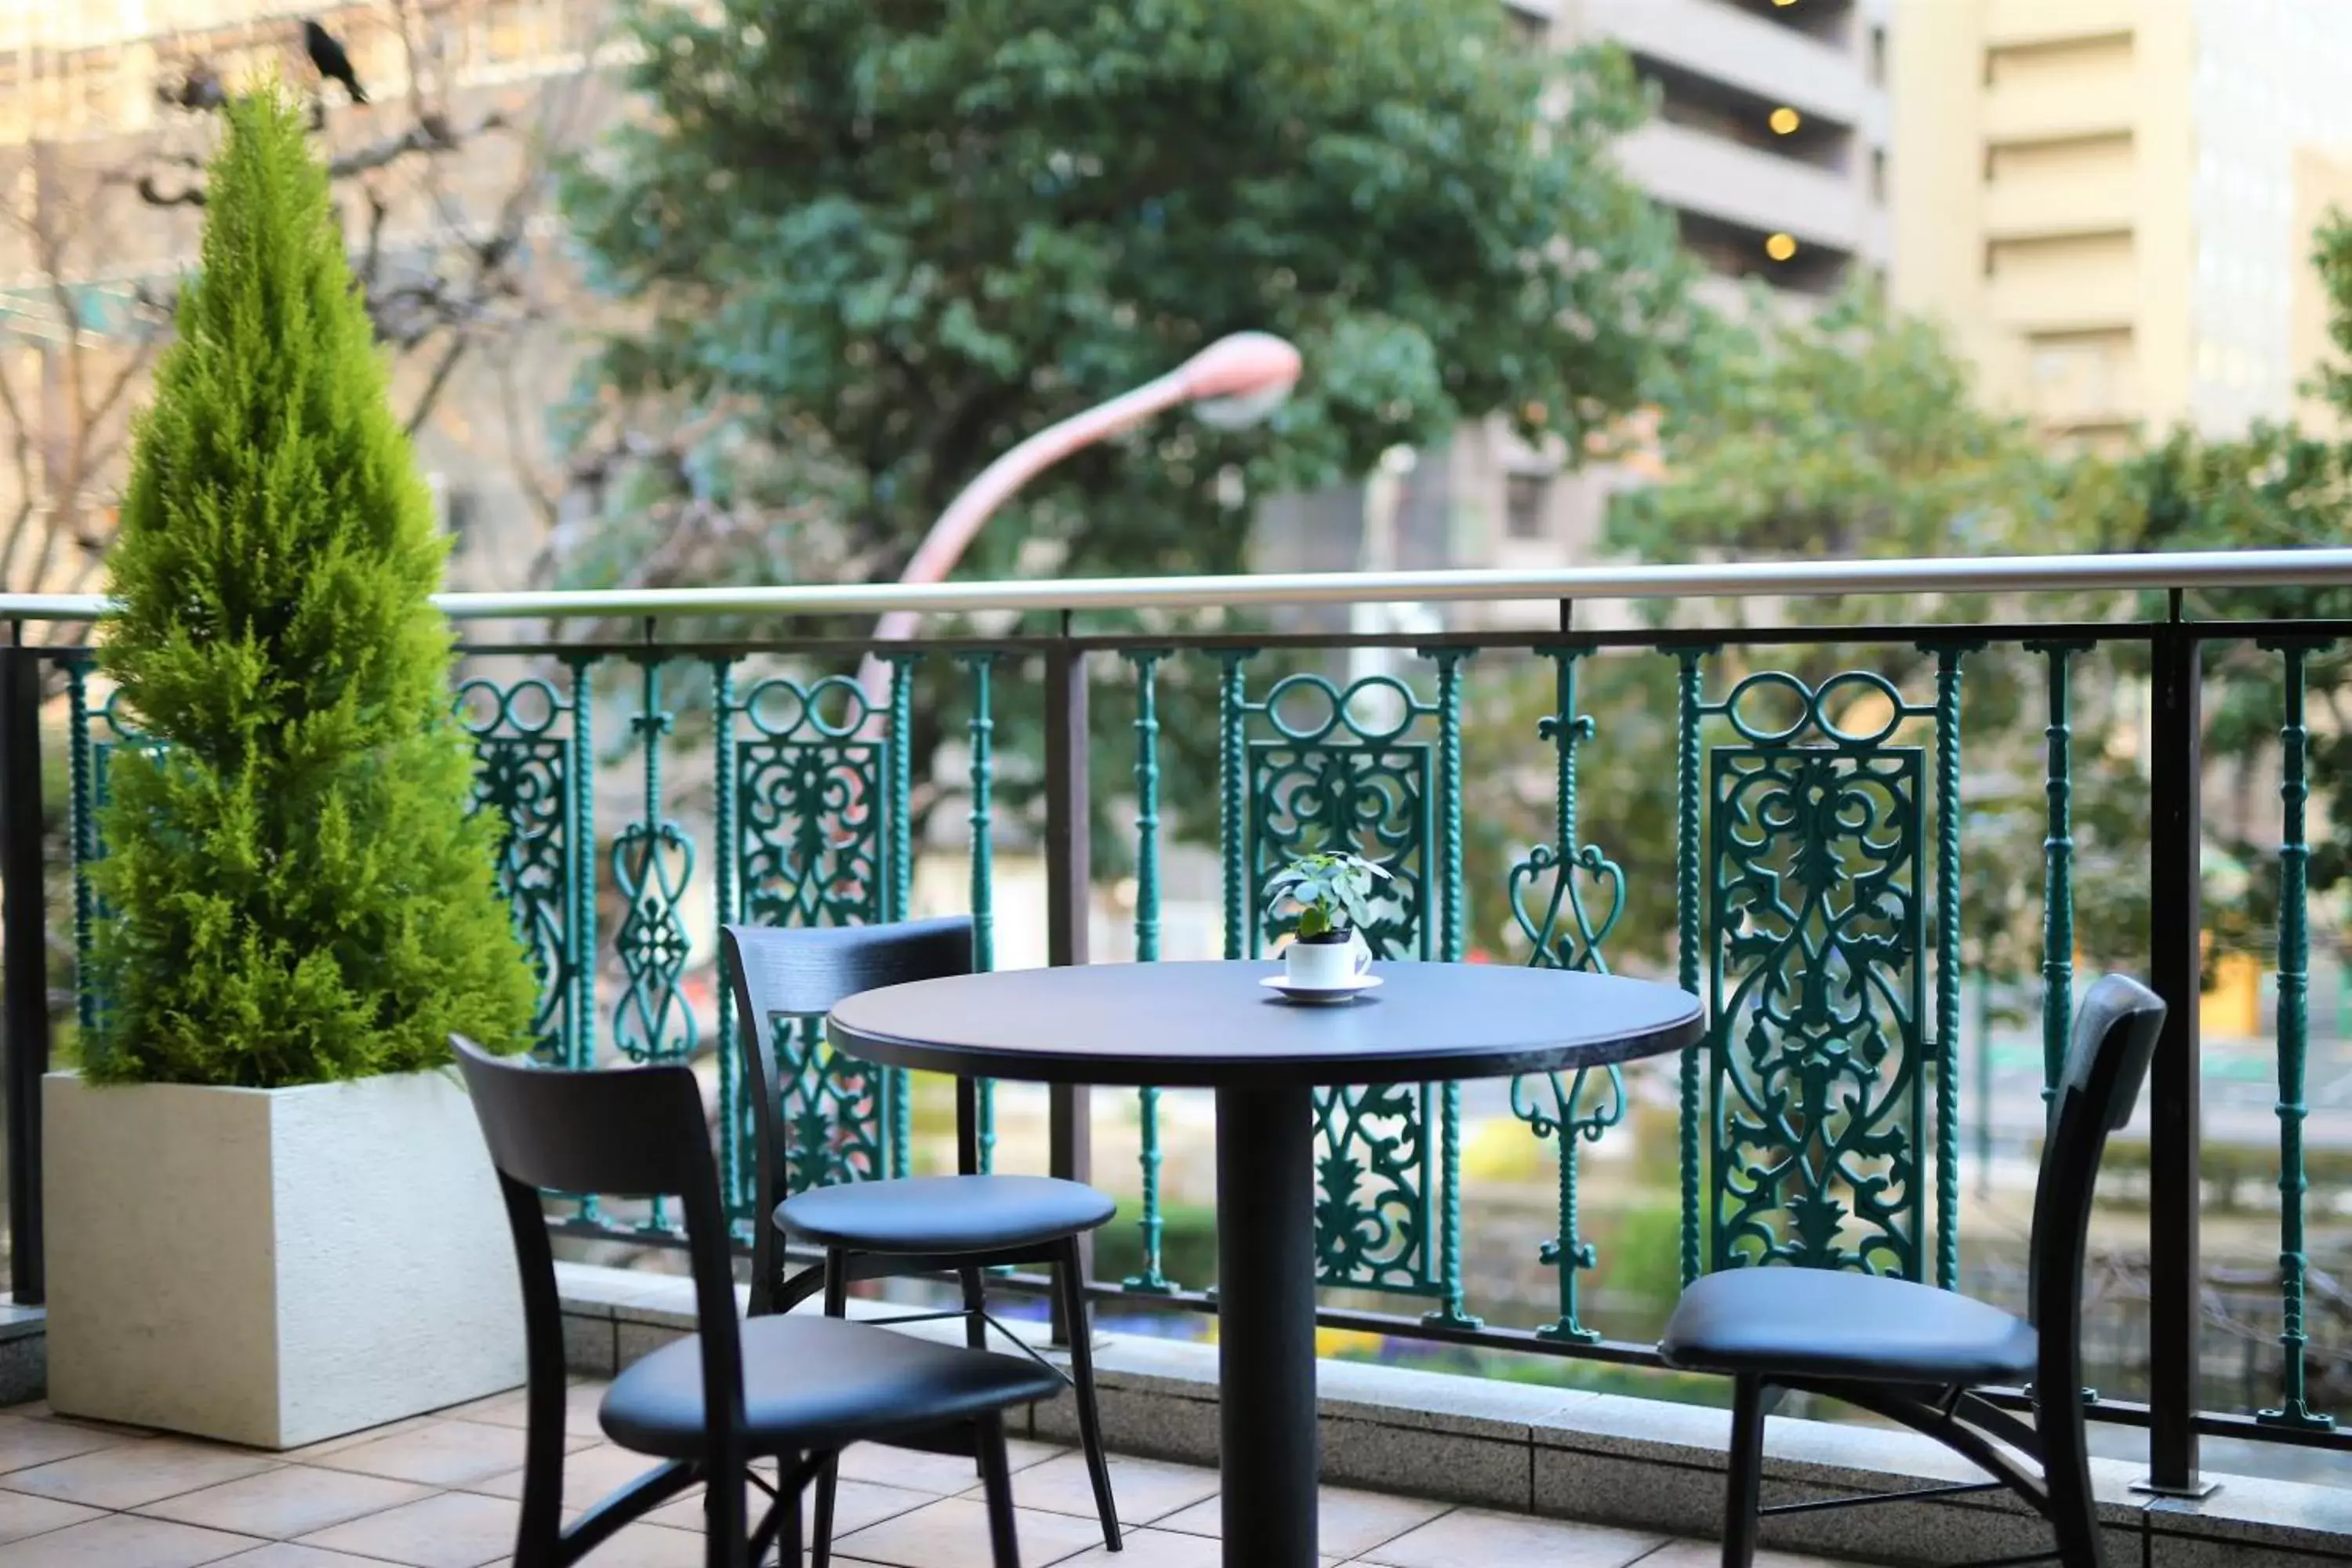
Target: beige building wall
[[2109, 202], [2323, 182]]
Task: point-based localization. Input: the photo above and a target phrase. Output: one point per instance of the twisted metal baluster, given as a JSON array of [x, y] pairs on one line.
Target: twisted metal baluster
[[1686, 896], [2293, 1047], [85, 850], [1150, 1279], [1450, 1310], [582, 1047], [1947, 961], [734, 1117], [1241, 933], [2058, 865], [896, 1087], [982, 730]]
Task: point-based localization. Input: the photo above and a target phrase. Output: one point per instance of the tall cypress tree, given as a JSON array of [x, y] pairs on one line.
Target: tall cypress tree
[[297, 891]]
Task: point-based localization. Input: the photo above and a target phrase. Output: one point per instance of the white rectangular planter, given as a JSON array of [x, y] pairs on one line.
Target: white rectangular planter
[[273, 1267]]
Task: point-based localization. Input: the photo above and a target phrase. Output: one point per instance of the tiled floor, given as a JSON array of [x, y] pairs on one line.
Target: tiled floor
[[438, 1492]]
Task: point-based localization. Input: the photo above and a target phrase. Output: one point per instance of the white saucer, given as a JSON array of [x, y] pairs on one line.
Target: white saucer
[[1320, 996]]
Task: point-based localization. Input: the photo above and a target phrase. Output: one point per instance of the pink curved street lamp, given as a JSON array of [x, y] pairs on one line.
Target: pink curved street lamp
[[1236, 380]]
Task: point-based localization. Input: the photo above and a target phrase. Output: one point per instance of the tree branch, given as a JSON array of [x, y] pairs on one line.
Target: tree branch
[[436, 383], [431, 136]]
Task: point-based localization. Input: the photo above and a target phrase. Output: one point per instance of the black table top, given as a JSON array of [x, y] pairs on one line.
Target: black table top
[[1208, 1026]]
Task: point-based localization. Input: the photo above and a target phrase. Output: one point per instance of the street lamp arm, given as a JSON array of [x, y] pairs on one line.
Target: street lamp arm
[[1237, 379], [957, 526]]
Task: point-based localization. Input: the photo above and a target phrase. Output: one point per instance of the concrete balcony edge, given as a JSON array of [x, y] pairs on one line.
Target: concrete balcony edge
[[1603, 1458]]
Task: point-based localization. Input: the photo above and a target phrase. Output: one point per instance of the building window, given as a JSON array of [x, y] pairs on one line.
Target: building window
[[1878, 55], [1879, 176], [1526, 505]]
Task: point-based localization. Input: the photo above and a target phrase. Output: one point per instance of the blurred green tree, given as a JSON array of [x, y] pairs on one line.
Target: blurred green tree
[[1852, 432], [2280, 486], [867, 247]]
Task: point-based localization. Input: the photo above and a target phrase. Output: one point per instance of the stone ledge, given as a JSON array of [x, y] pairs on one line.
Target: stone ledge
[[1600, 1457]]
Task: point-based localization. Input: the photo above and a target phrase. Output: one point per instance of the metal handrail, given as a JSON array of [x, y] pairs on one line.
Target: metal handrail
[[2185, 570]]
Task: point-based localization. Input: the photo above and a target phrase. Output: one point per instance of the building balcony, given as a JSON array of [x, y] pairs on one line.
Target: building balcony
[[1496, 1257], [2090, 104], [2043, 207], [1720, 179], [2011, 24], [1709, 38], [2086, 302]]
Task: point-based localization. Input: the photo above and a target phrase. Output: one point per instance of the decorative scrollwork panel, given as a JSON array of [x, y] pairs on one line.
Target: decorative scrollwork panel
[[808, 781], [524, 764], [1819, 1055], [1341, 768], [808, 800]]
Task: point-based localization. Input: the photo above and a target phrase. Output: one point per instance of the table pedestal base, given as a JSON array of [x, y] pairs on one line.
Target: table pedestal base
[[1266, 1325]]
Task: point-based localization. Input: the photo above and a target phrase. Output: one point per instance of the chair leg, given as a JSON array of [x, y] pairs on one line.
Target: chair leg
[[726, 1524], [1073, 1286], [539, 1527], [788, 1540], [996, 1488], [2066, 1479], [828, 1474], [975, 1302], [1746, 1490]]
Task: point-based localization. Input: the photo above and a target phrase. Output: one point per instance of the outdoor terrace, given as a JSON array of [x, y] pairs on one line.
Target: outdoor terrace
[[666, 762]]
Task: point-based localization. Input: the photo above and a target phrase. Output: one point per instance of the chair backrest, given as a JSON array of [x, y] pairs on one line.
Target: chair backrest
[[801, 972], [2115, 1030], [633, 1131]]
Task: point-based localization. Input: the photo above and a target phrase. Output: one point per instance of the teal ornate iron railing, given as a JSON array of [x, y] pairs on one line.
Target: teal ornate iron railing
[[1819, 855]]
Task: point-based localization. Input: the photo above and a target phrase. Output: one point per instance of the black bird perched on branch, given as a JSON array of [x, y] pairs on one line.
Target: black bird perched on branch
[[333, 63]]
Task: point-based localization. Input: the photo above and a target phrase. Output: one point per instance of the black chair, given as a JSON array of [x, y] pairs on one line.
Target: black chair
[[965, 1223], [1915, 1355], [797, 1390]]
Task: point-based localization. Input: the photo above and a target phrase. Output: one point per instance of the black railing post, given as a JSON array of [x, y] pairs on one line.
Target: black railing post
[[24, 958], [2175, 967], [1069, 861]]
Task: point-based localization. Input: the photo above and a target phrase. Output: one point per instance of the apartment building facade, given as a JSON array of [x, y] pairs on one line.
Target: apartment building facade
[[2110, 202], [1771, 144]]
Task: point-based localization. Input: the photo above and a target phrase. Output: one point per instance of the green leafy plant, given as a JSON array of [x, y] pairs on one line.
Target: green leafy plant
[[297, 890], [1323, 896], [855, 251]]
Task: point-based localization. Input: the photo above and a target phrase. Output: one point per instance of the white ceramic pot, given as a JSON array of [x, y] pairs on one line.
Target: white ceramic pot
[[274, 1267], [1327, 965]]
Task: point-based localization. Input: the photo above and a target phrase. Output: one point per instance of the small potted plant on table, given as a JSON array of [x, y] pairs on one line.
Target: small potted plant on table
[[1326, 900]]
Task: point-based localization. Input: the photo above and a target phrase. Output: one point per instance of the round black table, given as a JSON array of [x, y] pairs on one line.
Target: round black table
[[1212, 1025]]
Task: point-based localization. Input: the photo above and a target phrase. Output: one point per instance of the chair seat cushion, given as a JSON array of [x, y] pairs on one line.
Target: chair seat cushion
[[943, 1213], [817, 1383], [1817, 1322]]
